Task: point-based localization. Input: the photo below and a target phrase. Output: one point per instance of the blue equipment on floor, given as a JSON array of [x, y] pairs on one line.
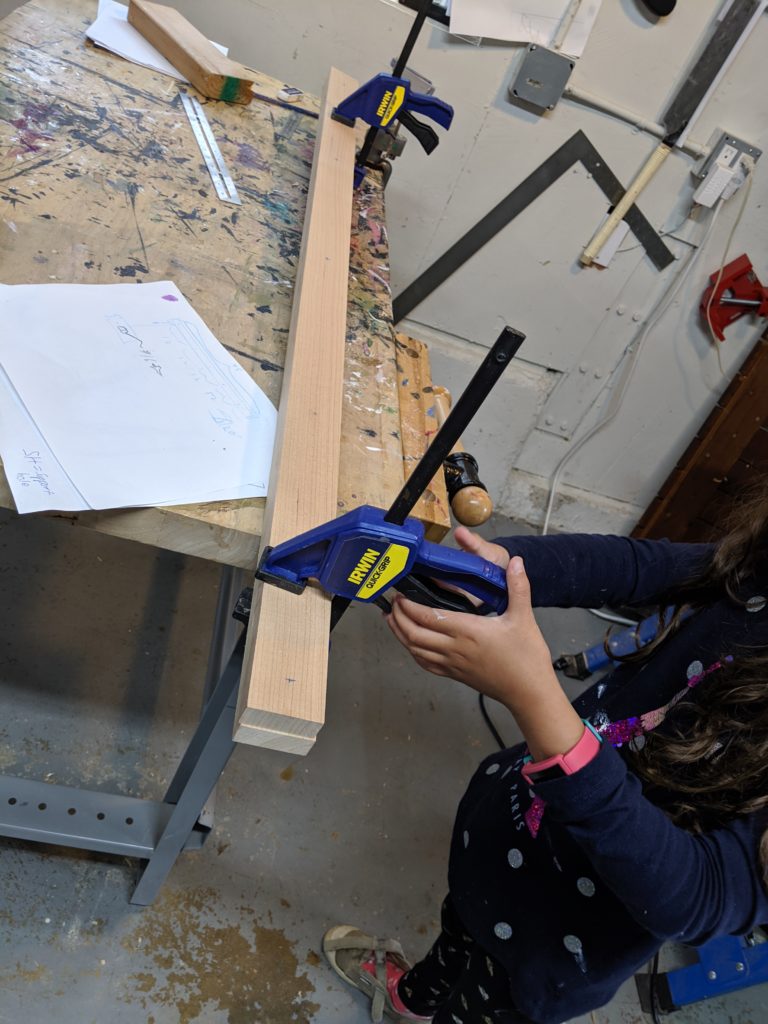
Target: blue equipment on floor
[[725, 964], [601, 655]]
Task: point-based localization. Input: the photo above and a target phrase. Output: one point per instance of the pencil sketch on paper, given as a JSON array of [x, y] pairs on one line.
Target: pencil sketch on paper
[[107, 401]]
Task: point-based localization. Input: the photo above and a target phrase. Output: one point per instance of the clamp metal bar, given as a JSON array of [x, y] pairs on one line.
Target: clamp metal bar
[[473, 396]]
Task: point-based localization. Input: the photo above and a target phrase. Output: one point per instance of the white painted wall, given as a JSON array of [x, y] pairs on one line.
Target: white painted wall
[[578, 321]]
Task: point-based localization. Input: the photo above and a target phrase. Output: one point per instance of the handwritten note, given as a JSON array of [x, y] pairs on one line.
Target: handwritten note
[[119, 395]]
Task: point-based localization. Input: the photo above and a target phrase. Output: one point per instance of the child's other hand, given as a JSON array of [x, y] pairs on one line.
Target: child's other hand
[[486, 549], [505, 657]]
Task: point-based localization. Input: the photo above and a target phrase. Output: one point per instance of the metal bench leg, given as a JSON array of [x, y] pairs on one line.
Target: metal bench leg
[[203, 762]]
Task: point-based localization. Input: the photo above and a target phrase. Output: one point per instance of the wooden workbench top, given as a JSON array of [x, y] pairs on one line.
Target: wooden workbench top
[[102, 181]]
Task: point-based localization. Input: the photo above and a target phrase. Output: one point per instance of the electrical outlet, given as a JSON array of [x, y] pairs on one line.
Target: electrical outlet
[[725, 149], [727, 155]]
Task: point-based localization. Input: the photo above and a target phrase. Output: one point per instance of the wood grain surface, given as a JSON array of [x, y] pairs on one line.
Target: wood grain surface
[[102, 181]]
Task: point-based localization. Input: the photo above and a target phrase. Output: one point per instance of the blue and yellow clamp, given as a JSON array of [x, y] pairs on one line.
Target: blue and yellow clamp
[[385, 99], [361, 555]]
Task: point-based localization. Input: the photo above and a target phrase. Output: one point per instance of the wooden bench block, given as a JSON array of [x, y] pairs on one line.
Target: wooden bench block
[[211, 73]]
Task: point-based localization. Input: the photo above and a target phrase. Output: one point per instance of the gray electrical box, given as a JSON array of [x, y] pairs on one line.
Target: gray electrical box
[[541, 78]]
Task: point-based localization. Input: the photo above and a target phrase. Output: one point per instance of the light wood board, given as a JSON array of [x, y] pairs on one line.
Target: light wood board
[[282, 688], [206, 67]]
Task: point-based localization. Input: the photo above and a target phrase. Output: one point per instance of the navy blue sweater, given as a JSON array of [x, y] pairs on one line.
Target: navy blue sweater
[[573, 886]]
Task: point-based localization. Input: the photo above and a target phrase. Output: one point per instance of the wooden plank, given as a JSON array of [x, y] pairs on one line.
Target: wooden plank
[[211, 73], [418, 425], [757, 449], [282, 690]]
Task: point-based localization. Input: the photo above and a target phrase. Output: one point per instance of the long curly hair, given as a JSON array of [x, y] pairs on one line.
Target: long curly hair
[[712, 761]]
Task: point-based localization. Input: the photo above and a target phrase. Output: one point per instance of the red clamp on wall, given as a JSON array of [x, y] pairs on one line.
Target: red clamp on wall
[[732, 293]]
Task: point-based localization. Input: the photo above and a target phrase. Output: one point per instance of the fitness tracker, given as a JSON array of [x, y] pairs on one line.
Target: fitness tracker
[[564, 764]]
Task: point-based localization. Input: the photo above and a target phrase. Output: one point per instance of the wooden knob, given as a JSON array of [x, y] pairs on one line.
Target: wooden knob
[[472, 506]]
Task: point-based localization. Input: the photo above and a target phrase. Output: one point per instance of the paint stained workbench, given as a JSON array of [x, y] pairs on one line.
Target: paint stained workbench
[[101, 181]]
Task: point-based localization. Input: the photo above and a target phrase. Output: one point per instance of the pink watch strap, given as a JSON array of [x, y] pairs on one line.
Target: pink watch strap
[[569, 763]]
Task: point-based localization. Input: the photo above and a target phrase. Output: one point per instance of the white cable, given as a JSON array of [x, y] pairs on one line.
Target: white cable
[[620, 620], [632, 353], [665, 234], [749, 165], [565, 24]]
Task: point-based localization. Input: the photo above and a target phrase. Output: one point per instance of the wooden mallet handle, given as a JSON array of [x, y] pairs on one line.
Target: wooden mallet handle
[[470, 502], [647, 171]]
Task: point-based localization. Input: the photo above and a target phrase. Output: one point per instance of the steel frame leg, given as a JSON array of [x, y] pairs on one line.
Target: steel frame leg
[[152, 830], [203, 762], [226, 631]]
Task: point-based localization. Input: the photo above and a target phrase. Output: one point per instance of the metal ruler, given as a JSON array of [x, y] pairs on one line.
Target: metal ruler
[[214, 161]]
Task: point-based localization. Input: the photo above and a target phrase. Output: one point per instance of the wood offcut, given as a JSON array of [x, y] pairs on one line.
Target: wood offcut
[[211, 73], [418, 426]]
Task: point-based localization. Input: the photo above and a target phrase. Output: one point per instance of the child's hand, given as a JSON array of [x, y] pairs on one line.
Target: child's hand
[[505, 657], [475, 545], [486, 549]]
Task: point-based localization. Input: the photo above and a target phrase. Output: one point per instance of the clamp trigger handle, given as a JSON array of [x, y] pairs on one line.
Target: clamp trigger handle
[[425, 135]]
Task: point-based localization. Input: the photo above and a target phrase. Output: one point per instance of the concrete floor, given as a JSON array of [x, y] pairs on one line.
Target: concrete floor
[[103, 647]]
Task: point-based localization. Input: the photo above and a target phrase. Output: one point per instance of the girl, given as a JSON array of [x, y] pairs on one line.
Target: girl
[[633, 816]]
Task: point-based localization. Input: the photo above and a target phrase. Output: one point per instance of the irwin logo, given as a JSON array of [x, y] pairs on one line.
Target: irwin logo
[[389, 105], [364, 566], [384, 101]]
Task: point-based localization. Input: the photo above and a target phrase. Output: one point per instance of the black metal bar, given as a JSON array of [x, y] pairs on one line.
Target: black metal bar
[[473, 396], [699, 79], [410, 42], [436, 13], [397, 72]]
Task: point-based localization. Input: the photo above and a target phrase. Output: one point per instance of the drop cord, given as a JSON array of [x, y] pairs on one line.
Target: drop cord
[[652, 989], [632, 354], [487, 719], [749, 165]]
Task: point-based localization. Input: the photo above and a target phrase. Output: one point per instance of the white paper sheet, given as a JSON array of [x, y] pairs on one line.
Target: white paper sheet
[[525, 21], [121, 393], [577, 35], [36, 478], [519, 21], [112, 31]]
